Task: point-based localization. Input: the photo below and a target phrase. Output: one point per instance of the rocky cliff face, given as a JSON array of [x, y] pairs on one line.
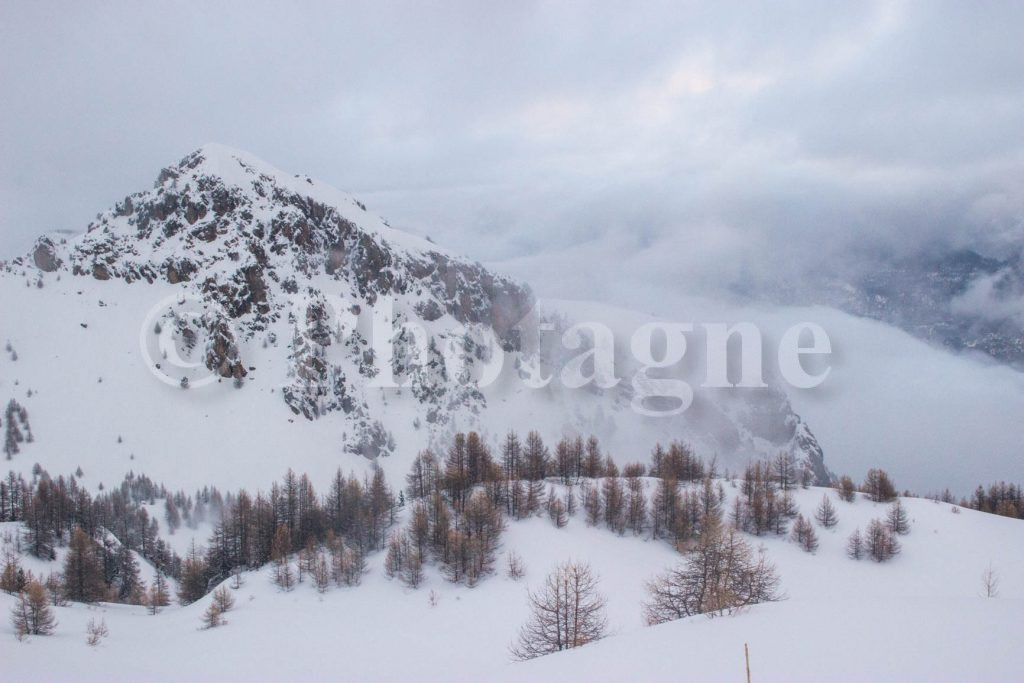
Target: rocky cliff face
[[243, 233]]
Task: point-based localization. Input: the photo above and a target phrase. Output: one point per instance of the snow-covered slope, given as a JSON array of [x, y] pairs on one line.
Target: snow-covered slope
[[917, 617], [256, 288]]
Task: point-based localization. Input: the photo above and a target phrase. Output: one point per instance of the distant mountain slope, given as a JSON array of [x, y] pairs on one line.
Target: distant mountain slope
[[956, 299]]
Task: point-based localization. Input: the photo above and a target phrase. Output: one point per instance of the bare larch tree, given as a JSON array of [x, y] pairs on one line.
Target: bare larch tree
[[567, 612]]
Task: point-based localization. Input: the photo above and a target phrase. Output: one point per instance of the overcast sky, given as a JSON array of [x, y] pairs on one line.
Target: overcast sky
[[688, 140]]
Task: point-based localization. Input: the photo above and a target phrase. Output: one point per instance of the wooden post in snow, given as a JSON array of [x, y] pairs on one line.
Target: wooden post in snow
[[746, 655]]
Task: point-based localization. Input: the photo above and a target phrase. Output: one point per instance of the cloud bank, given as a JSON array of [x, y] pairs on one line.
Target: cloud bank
[[702, 142]]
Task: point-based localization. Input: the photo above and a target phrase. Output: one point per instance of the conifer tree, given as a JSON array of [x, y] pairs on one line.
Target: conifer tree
[[636, 505], [665, 506], [280, 548], [897, 518], [158, 595], [55, 587], [212, 617], [536, 457], [129, 585], [395, 557], [512, 457], [31, 614], [456, 473], [192, 581], [784, 469], [83, 573], [614, 508], [855, 545], [880, 543], [412, 569], [321, 573], [826, 513], [13, 578], [223, 599], [171, 514], [591, 503], [534, 497], [592, 459], [556, 509]]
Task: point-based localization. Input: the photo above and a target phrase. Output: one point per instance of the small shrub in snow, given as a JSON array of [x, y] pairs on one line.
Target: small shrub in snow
[[514, 567], [990, 582], [94, 632]]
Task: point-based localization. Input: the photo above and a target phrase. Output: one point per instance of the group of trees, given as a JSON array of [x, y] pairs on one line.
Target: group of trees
[[880, 541], [459, 502], [999, 499], [720, 575], [350, 521], [879, 487], [103, 534], [16, 428], [514, 482], [458, 508], [222, 602], [766, 502], [52, 508], [93, 571]]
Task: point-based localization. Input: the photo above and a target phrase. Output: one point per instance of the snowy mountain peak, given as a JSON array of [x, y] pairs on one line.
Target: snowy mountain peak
[[243, 231], [238, 169], [276, 262]]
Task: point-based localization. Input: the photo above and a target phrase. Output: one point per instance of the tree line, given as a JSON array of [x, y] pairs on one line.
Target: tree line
[[459, 503]]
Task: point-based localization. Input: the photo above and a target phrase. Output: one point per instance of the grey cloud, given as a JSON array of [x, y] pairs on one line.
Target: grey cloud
[[696, 143]]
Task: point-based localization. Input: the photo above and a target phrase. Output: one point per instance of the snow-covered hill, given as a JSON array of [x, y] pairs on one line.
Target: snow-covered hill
[[257, 288], [918, 617]]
